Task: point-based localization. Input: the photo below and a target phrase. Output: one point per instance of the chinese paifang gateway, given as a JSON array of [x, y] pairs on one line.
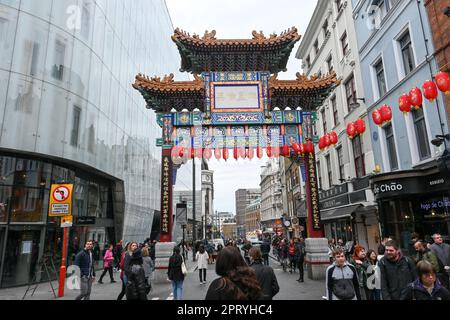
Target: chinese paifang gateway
[[236, 101]]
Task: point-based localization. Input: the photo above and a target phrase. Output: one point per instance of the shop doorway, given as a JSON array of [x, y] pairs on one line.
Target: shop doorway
[[2, 244], [21, 255]]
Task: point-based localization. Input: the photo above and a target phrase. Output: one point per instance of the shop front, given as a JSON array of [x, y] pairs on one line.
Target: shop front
[[348, 212], [413, 201], [27, 234]]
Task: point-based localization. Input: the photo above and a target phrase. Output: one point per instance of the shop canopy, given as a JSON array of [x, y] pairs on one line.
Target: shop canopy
[[339, 213]]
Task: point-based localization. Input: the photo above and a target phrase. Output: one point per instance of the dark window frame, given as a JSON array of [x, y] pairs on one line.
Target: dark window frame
[[407, 52], [420, 128], [340, 157], [391, 147], [329, 169], [381, 77], [324, 120], [333, 102], [358, 155], [344, 43], [350, 92]]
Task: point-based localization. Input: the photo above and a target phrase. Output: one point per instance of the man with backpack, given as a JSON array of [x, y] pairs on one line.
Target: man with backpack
[[397, 271]]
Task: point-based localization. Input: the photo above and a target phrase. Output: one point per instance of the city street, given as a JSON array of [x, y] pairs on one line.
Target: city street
[[134, 130], [192, 290]]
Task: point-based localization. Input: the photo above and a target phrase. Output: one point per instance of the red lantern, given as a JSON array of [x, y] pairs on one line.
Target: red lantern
[[443, 82], [269, 151], [302, 148], [333, 138], [250, 153], [430, 90], [322, 143], [235, 153], [225, 154], [296, 147], [351, 130], [207, 153], [405, 103], [376, 116], [360, 126], [259, 152], [217, 153], [285, 151], [416, 97], [242, 153], [326, 140], [386, 113]]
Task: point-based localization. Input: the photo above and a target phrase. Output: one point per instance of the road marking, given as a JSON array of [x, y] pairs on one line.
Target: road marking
[[155, 298]]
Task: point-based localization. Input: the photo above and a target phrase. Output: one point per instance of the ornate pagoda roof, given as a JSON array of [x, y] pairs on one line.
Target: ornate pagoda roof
[[260, 53], [166, 94], [309, 93]]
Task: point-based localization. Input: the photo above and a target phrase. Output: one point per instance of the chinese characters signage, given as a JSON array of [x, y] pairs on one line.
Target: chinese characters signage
[[166, 196], [314, 198], [230, 96]]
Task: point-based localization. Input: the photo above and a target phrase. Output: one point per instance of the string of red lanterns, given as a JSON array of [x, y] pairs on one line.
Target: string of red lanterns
[[413, 100], [328, 140], [355, 128]]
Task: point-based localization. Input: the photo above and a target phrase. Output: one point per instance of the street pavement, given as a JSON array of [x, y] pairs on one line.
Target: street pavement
[[290, 289]]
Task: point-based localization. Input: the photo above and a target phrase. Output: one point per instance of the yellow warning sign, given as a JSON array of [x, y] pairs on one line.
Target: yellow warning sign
[[60, 200]]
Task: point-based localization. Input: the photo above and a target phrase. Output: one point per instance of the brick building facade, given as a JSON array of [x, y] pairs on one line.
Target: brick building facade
[[439, 17]]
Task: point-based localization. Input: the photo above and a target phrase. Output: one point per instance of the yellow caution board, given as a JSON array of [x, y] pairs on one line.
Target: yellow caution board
[[60, 200]]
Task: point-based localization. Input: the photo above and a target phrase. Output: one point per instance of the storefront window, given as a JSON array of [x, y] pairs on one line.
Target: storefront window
[[32, 173], [5, 203], [399, 221], [433, 216], [53, 248], [7, 169], [21, 256], [80, 197], [29, 204], [62, 175]]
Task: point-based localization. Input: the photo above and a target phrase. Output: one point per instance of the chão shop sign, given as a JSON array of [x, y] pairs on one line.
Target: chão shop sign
[[445, 203]]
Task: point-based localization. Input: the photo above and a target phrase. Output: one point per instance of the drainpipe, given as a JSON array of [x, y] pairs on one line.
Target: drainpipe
[[431, 69]]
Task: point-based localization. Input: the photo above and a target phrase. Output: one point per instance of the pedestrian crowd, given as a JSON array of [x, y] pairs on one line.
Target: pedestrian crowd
[[136, 263], [389, 274]]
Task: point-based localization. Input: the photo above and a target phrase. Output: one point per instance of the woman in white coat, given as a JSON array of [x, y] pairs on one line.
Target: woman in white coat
[[202, 263]]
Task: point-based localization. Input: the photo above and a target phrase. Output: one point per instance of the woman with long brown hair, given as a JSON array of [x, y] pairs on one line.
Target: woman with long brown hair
[[237, 280]]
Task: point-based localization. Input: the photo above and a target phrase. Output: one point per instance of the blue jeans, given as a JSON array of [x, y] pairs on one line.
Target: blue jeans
[[177, 287]]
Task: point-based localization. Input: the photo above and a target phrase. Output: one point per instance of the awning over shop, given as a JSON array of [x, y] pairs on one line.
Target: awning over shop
[[339, 213]]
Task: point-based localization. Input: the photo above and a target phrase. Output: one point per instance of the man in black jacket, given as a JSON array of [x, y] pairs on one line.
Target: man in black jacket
[[300, 257], [397, 272], [85, 261], [265, 250], [265, 274]]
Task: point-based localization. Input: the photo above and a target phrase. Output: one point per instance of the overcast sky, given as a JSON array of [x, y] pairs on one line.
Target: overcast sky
[[236, 19]]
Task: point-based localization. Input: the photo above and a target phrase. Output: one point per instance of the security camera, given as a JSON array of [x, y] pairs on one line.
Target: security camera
[[437, 142]]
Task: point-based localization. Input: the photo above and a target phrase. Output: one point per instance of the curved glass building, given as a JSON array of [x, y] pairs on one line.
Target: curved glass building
[[68, 113]]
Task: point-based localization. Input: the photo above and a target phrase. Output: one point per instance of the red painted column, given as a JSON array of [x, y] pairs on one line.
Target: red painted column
[[313, 226], [62, 269], [166, 196]]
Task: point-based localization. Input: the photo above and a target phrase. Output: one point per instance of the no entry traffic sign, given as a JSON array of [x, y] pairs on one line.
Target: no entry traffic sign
[[60, 200]]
